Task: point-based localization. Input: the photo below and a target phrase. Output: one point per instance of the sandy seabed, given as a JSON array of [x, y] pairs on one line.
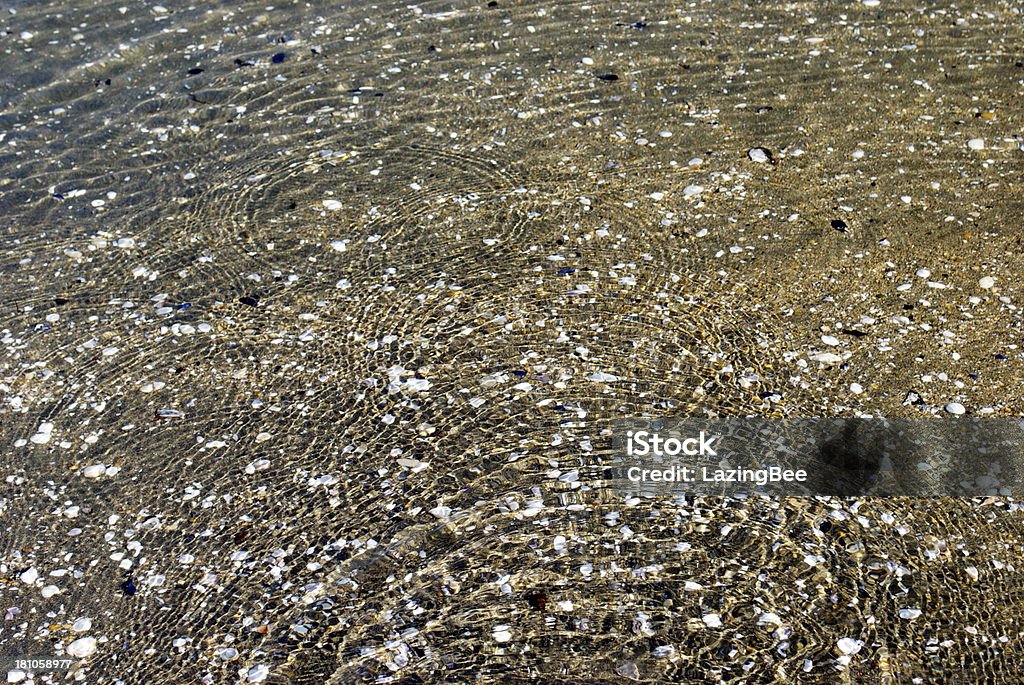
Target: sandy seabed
[[314, 319]]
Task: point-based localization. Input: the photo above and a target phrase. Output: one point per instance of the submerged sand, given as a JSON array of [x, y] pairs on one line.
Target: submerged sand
[[307, 311]]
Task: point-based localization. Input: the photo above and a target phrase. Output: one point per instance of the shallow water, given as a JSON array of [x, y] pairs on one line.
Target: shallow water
[[309, 312]]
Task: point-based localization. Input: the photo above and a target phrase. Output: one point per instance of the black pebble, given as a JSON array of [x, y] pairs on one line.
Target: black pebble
[[128, 587], [854, 332], [608, 77], [493, 3], [639, 25], [251, 300], [279, 57], [840, 225], [195, 70], [913, 397], [244, 63], [537, 599]]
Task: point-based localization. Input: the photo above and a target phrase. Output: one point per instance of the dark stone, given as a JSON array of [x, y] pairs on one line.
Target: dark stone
[[608, 77], [537, 599], [840, 225], [279, 57], [251, 300], [195, 71], [913, 397], [128, 587]]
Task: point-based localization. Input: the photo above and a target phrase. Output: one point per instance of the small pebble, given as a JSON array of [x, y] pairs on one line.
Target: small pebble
[[712, 620], [760, 155], [848, 645], [82, 647], [94, 471], [986, 282], [976, 143], [956, 408], [257, 674]]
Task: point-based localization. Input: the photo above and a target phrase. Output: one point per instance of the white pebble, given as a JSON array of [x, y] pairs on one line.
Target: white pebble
[[81, 625], [82, 647], [50, 591], [848, 645], [910, 614], [332, 205], [976, 143], [502, 634], [712, 620], [856, 388], [830, 340], [257, 674], [602, 377], [986, 282], [923, 273], [29, 576], [94, 471], [956, 408], [757, 154], [692, 189]]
